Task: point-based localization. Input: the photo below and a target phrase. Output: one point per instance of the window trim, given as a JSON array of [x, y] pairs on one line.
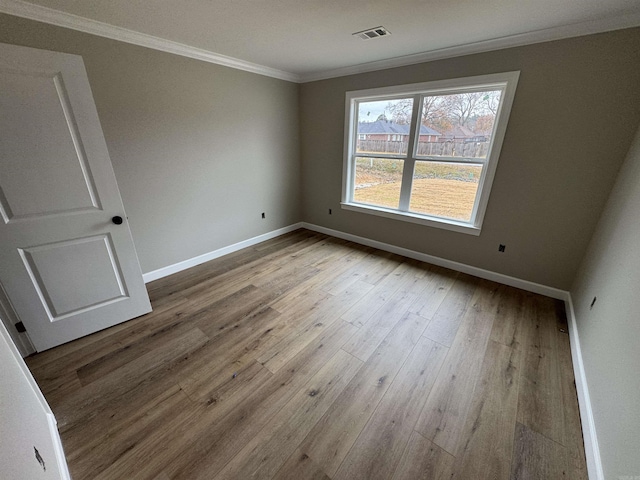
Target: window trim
[[506, 81]]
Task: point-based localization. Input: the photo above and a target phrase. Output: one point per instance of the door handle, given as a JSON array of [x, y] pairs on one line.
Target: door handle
[[117, 220]]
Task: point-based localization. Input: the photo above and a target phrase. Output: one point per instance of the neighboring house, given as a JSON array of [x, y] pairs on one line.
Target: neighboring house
[[462, 133], [390, 131]]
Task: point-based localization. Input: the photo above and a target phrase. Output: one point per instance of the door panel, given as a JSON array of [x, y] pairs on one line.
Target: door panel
[[67, 269], [93, 278], [39, 128]]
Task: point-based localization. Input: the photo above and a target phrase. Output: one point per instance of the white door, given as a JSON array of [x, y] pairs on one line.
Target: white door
[[30, 447], [68, 268]]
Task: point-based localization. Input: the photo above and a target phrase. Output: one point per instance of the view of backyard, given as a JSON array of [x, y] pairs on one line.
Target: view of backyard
[[451, 126], [440, 189]]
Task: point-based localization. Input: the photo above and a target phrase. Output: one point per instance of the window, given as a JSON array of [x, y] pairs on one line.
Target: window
[[426, 153]]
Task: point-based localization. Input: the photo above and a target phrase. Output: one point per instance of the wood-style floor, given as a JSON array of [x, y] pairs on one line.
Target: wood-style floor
[[309, 357]]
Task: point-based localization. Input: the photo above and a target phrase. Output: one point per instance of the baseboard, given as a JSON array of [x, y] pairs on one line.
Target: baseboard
[[192, 262], [591, 448], [443, 262]]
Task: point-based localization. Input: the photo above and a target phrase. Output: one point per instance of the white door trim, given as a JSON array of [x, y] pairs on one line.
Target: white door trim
[[58, 451], [9, 319]]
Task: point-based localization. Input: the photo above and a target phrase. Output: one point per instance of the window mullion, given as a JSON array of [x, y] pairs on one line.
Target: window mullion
[[445, 159], [407, 180], [379, 155], [407, 171]]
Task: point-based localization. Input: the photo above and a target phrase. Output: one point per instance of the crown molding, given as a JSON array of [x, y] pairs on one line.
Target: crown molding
[[529, 38], [39, 13]]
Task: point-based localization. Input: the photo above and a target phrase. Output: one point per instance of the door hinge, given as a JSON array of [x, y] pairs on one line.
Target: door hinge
[[20, 327]]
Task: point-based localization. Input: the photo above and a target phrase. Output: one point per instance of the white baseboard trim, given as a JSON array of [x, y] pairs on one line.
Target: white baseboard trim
[[192, 262], [443, 262], [591, 448]]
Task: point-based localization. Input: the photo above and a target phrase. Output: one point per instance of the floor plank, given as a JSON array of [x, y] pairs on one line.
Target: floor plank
[[445, 413], [573, 429], [68, 357], [360, 313], [90, 401], [541, 405], [378, 326], [536, 457], [97, 454], [313, 324], [423, 460], [213, 442], [120, 357], [488, 432], [440, 281], [447, 318], [266, 452], [300, 466], [379, 447], [334, 435]]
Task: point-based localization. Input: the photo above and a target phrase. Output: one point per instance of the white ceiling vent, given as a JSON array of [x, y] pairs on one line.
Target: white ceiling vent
[[372, 33]]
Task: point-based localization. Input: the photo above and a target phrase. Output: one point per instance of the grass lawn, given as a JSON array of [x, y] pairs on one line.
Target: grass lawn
[[432, 196], [438, 189]]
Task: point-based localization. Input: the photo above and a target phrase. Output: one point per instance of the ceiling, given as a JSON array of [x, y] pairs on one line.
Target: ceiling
[[304, 40]]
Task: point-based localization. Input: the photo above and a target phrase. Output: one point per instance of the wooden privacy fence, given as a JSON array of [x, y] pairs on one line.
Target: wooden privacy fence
[[449, 148]]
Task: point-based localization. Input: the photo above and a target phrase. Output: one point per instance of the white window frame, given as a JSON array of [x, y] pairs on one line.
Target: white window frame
[[506, 82]]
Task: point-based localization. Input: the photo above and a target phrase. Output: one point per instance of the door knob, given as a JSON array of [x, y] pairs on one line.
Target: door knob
[[117, 220]]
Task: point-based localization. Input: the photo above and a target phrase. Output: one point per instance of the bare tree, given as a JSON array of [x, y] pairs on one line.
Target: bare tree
[[491, 101], [462, 106], [444, 112], [433, 109], [400, 110]]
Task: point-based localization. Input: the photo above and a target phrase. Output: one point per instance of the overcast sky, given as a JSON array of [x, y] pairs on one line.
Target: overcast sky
[[370, 111]]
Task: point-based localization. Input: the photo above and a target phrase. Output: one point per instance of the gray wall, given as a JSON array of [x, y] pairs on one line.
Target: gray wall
[[199, 150], [609, 332], [573, 119]]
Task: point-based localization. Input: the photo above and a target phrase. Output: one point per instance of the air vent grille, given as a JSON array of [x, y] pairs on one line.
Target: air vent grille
[[372, 33]]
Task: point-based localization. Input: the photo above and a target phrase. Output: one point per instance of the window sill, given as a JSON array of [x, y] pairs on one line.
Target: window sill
[[443, 223]]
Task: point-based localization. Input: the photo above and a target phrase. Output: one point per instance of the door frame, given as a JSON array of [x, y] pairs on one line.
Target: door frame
[[58, 450], [10, 318]]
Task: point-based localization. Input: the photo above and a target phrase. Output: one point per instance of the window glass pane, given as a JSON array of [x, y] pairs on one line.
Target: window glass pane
[[458, 125], [377, 181], [444, 189], [383, 126]]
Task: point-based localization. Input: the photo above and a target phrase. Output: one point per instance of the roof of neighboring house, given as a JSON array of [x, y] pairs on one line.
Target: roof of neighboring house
[[461, 132], [386, 126], [424, 130]]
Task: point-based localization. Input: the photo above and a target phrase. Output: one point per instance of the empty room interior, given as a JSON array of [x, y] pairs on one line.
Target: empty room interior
[[325, 240]]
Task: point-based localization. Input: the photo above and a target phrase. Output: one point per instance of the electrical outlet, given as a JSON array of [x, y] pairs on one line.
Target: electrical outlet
[[263, 216], [501, 248]]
